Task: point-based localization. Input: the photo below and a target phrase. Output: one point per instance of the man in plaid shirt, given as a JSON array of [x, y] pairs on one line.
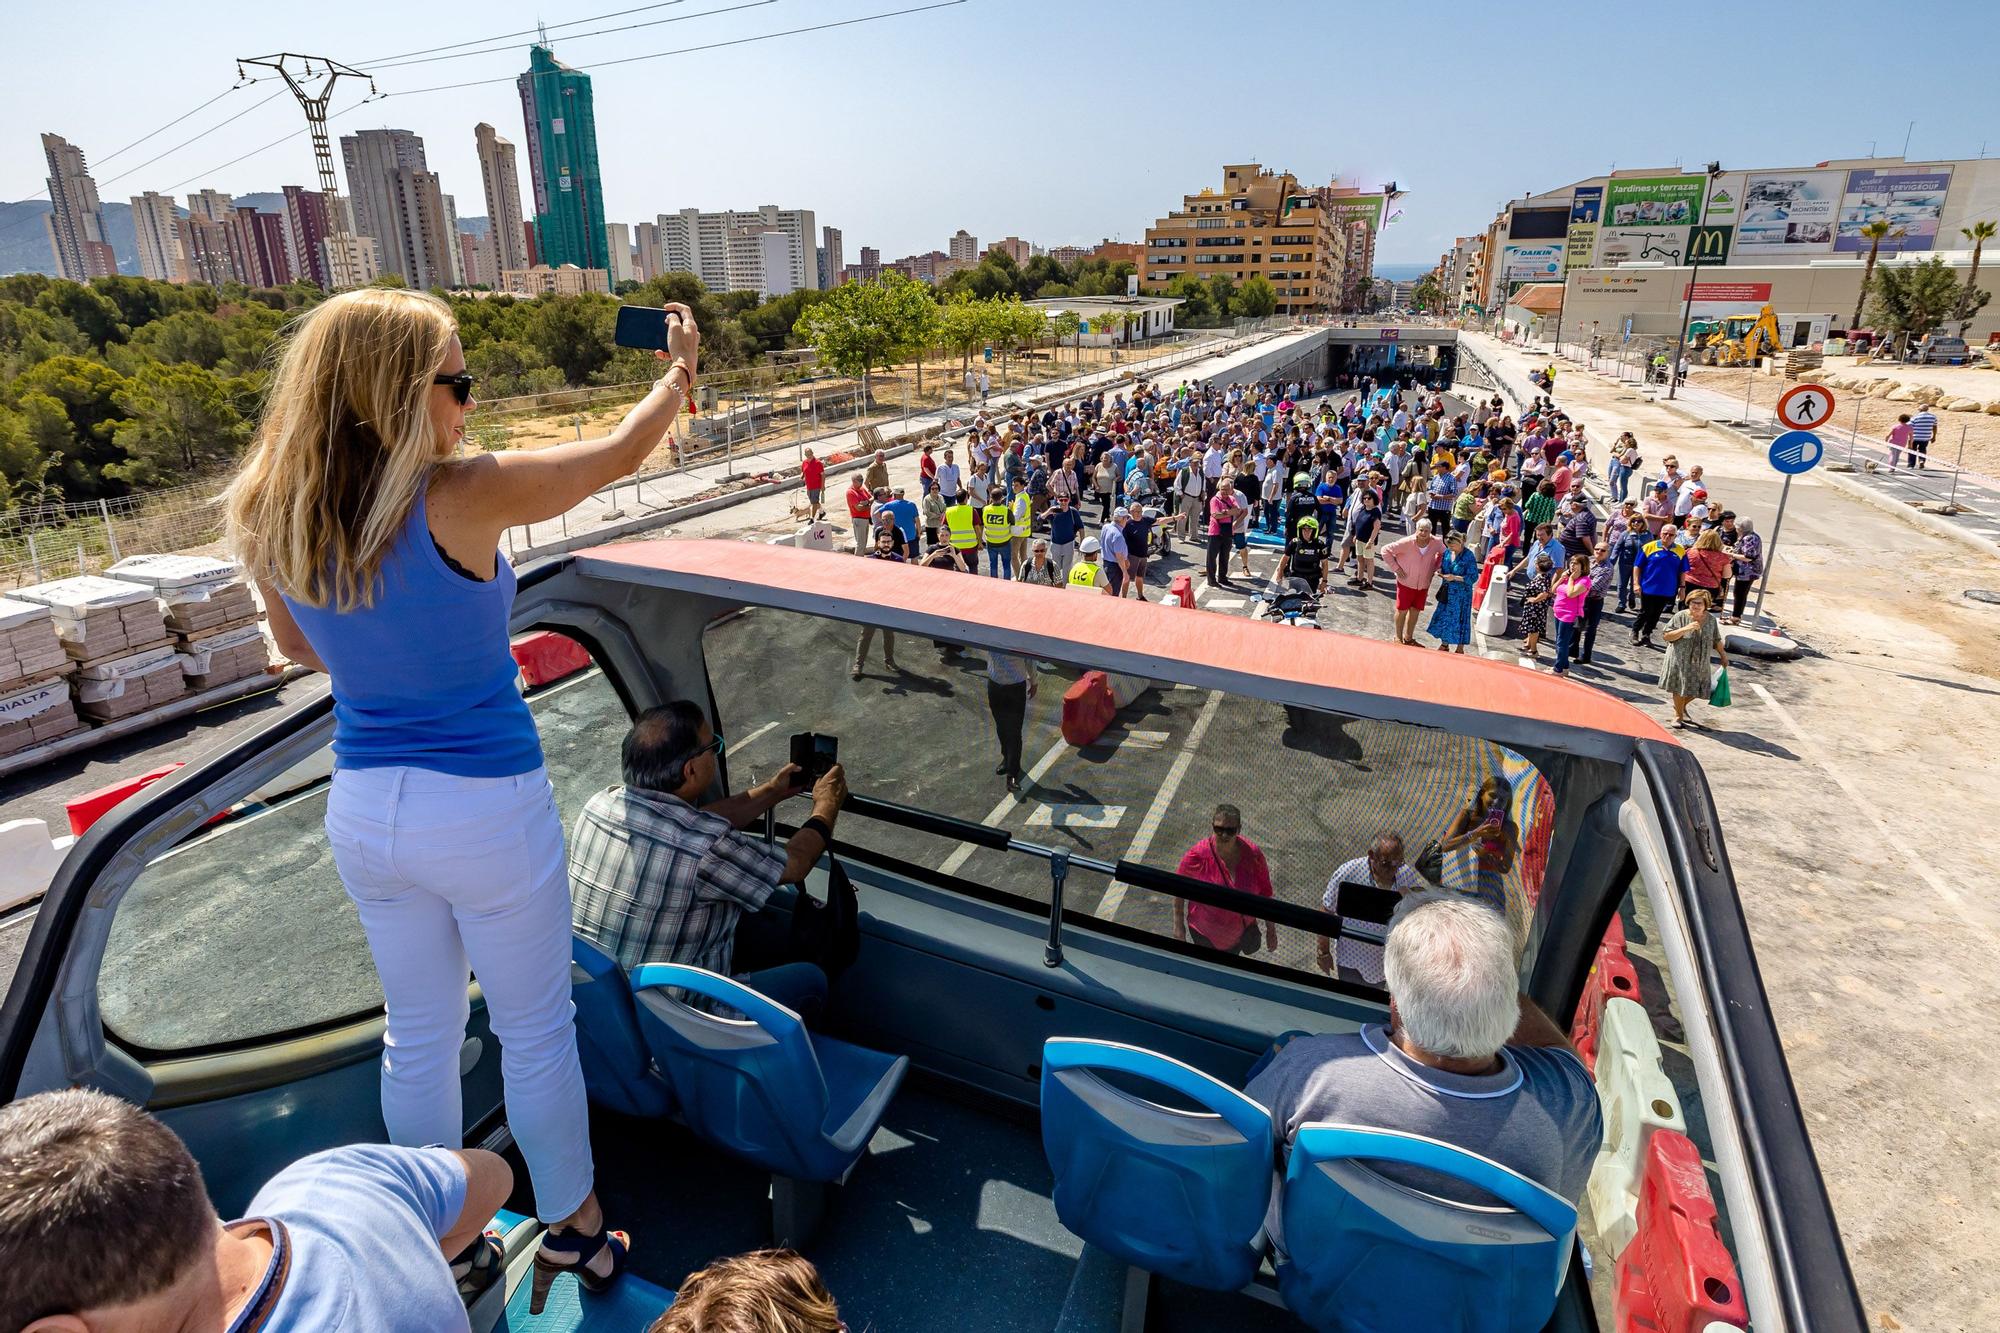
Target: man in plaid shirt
[[656, 879]]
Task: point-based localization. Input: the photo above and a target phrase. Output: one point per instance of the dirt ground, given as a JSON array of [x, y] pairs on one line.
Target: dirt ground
[[1858, 803], [1982, 430]]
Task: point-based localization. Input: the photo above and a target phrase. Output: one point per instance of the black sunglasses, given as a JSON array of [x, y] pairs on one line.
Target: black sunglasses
[[1226, 830], [461, 386]]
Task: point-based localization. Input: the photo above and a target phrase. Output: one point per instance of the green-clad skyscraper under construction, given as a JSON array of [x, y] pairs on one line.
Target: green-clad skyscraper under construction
[[562, 160]]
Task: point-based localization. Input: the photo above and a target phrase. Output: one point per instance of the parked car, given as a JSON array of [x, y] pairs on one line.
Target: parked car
[[1938, 350]]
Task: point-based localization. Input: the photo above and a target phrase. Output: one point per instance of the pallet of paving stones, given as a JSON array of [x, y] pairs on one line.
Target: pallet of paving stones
[[197, 594], [99, 619], [217, 659], [36, 715], [30, 652], [119, 687]]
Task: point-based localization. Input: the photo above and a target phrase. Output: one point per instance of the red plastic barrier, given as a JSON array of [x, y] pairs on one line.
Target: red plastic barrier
[[1182, 587], [90, 807], [546, 656], [1087, 708], [1493, 559], [1676, 1276], [1612, 976]]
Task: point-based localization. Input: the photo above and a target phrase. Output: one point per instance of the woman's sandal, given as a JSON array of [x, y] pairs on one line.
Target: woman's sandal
[[573, 1252], [478, 1266]]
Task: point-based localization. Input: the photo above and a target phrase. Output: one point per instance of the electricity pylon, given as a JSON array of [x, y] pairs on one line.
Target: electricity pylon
[[340, 244]]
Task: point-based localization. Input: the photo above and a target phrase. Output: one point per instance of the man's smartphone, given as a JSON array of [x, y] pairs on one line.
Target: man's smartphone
[[814, 754], [642, 327]]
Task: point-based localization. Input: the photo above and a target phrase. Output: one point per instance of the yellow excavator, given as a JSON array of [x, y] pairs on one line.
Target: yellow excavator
[[1741, 339]]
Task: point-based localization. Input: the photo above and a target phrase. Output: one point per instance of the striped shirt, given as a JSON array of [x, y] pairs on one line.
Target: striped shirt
[[1923, 426]]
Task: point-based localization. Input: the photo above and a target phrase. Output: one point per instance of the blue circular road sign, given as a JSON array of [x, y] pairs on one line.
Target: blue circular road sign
[[1796, 451]]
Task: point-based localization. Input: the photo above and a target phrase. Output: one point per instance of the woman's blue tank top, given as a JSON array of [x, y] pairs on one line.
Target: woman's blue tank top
[[423, 677]]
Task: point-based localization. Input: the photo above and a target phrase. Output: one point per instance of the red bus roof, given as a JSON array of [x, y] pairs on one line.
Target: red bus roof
[[1366, 677]]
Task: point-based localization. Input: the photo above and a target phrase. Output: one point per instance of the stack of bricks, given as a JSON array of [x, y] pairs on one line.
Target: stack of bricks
[[210, 612], [121, 686], [100, 619], [35, 715], [30, 653]]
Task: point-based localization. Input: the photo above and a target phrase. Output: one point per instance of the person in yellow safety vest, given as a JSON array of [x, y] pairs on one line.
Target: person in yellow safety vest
[[996, 521], [961, 533], [1023, 507], [1087, 573]]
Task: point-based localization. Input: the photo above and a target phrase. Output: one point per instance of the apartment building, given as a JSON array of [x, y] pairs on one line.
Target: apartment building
[[568, 280], [726, 250], [156, 224], [1259, 224]]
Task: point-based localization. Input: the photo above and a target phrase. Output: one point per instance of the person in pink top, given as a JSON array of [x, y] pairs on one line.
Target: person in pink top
[[1899, 440], [1227, 858], [1572, 591], [1414, 560]]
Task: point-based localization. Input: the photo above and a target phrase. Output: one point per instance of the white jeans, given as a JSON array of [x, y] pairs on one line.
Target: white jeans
[[444, 870]]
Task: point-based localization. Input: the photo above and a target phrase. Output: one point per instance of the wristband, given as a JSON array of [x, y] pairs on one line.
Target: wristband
[[687, 393], [821, 827]]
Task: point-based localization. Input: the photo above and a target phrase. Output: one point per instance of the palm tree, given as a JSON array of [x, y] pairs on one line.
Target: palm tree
[[1979, 233], [1876, 232]]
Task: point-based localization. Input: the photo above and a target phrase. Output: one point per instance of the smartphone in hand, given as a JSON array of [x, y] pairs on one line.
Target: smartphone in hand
[[643, 327]]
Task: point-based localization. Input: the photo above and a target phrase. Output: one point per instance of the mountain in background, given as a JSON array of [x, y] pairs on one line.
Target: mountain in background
[[24, 241]]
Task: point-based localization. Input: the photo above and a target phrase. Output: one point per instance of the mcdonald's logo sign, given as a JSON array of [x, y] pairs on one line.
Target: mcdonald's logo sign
[[1709, 245]]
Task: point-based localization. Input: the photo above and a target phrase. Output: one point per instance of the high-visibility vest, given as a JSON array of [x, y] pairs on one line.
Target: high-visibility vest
[[1023, 516], [1083, 574], [996, 522], [961, 527]]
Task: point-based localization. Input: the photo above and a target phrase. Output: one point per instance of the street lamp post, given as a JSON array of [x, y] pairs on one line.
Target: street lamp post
[[1687, 306]]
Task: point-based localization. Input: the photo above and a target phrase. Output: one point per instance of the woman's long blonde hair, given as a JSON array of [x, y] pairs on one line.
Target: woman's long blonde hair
[[345, 443]]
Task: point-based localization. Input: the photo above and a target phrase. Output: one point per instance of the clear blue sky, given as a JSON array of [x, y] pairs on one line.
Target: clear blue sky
[[1062, 121]]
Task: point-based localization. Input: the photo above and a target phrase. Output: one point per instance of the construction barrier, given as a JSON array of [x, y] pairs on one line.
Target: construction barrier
[[28, 860], [1087, 708], [1612, 977], [1638, 1101], [87, 809], [1182, 588], [545, 656], [1492, 620], [1676, 1276]]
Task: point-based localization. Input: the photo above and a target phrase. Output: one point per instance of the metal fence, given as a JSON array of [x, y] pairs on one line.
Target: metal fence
[[39, 543]]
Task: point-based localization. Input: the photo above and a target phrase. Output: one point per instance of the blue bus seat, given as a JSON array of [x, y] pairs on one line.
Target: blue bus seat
[[630, 1306], [1181, 1194], [617, 1069], [1369, 1255], [801, 1105]]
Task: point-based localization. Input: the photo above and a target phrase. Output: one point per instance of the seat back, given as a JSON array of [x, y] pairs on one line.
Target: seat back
[[1181, 1193], [751, 1085], [617, 1071], [1368, 1254]]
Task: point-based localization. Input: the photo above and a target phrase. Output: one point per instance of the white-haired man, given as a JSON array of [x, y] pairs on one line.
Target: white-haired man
[[1465, 1059]]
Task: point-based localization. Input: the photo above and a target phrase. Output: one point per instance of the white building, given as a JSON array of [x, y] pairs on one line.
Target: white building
[[708, 244], [157, 226], [503, 199], [75, 222], [1113, 320], [652, 258], [963, 247], [363, 256], [618, 244], [777, 263], [832, 261]]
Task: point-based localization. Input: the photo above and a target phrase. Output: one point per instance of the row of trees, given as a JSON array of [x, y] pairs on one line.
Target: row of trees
[[1916, 299]]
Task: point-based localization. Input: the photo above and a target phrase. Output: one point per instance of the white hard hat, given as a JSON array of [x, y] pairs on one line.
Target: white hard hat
[[1090, 546]]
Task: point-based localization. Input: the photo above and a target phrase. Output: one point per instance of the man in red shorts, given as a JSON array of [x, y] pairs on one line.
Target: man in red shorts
[[1414, 560]]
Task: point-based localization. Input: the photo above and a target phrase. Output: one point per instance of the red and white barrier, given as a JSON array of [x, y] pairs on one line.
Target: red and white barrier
[[1639, 1101], [87, 809], [1612, 977], [1181, 589], [545, 656], [1676, 1276], [1087, 708]]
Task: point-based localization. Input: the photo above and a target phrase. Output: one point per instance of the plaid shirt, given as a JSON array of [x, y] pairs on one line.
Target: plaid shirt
[[654, 880]]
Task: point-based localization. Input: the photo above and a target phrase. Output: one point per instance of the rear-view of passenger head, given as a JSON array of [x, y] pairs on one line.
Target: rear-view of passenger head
[[100, 1205], [1449, 966], [765, 1291]]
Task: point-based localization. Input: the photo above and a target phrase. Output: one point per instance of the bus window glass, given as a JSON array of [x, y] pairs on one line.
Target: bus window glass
[[1312, 791], [244, 933]]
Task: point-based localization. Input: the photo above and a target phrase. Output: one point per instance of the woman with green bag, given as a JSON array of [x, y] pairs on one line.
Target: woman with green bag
[[1684, 674]]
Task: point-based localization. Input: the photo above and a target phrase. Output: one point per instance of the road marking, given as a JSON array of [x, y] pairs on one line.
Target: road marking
[[1143, 740], [1923, 868], [731, 751], [1005, 807], [1149, 827], [1045, 815], [1223, 604]]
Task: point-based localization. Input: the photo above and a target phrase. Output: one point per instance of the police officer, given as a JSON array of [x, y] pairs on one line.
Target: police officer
[[1088, 573], [1306, 555], [996, 521], [961, 529]]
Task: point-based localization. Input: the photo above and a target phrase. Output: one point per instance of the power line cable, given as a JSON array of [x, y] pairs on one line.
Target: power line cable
[[570, 37], [527, 32]]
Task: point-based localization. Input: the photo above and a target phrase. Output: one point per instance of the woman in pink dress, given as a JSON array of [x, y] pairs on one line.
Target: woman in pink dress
[[1227, 858]]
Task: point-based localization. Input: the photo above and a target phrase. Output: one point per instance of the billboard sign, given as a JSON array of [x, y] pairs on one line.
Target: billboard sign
[[1647, 218], [1734, 293], [1790, 213], [1586, 207], [1725, 197], [1531, 263], [1357, 208], [1909, 201], [1709, 244]]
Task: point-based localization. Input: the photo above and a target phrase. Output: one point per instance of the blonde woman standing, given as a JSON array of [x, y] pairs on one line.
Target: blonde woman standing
[[375, 546]]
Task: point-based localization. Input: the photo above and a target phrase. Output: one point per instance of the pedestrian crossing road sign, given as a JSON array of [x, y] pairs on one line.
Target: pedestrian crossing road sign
[[1796, 451]]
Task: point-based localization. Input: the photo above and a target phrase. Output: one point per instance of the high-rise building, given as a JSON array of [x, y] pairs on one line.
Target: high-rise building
[[562, 162], [156, 223], [503, 199], [569, 280], [964, 246], [618, 248], [1259, 224], [211, 204], [1013, 247], [425, 231], [472, 260], [723, 251], [452, 247], [206, 252], [363, 256], [834, 261], [652, 253], [870, 267], [373, 160], [256, 243], [308, 224], [76, 223]]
